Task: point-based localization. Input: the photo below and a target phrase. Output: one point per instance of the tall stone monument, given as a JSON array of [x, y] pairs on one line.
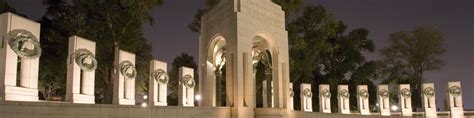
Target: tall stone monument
[[455, 99], [124, 78], [405, 99], [383, 98], [158, 84], [324, 98], [363, 99], [81, 65], [186, 87], [343, 99], [429, 100], [245, 32], [306, 98], [19, 58], [266, 94]]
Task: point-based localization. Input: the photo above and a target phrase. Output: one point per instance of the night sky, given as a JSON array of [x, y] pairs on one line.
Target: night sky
[[170, 35]]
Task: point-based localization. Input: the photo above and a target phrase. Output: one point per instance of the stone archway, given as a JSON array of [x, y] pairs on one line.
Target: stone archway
[[264, 53], [216, 75]]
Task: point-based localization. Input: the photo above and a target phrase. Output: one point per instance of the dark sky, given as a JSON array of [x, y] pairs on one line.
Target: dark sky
[[170, 35]]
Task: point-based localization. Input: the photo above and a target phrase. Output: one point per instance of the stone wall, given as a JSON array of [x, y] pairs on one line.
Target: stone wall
[[68, 110]]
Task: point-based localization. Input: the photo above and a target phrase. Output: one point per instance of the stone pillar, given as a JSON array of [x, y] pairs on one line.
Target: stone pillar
[[455, 99], [405, 99], [306, 98], [429, 100], [19, 39], [291, 94], [343, 99], [363, 99], [265, 95], [158, 83], [186, 87], [324, 98], [124, 78], [81, 65], [383, 98]]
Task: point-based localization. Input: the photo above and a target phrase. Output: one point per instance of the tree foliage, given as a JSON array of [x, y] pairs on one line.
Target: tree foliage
[[110, 23], [183, 60], [323, 52], [410, 54]]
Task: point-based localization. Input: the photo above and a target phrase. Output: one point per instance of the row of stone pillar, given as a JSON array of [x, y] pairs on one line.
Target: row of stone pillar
[[454, 97], [20, 45]]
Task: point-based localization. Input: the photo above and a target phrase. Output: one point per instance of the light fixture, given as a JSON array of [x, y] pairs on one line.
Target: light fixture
[[145, 97], [198, 97], [394, 108], [144, 105]]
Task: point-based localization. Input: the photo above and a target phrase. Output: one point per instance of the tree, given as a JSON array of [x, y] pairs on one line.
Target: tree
[[410, 54], [183, 60], [322, 52], [110, 23], [289, 6], [4, 7]]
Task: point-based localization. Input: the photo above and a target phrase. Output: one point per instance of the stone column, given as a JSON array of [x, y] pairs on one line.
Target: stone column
[[291, 95], [13, 30], [363, 99], [124, 78], [306, 98], [405, 99], [343, 99], [429, 100], [455, 99], [383, 98], [324, 98], [266, 95], [158, 83], [81, 65], [186, 87]]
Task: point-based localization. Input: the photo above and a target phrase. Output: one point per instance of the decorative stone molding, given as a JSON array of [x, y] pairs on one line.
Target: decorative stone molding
[[455, 99], [429, 100], [306, 98], [324, 98]]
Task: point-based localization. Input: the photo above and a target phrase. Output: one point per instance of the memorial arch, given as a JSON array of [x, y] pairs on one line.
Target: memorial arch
[[236, 37]]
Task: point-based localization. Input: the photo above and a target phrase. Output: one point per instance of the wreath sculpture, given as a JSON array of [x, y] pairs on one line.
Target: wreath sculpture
[[127, 69], [325, 93], [455, 91], [160, 76], [85, 60], [405, 93], [25, 44], [364, 93], [384, 93], [344, 93], [307, 93], [292, 93], [189, 82], [429, 92]]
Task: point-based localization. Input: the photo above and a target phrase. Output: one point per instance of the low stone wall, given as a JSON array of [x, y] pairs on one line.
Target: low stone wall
[[9, 109], [68, 110]]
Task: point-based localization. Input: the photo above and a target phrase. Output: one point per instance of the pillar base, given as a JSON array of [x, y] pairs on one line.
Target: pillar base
[[13, 93], [457, 112], [82, 99], [122, 101], [161, 104]]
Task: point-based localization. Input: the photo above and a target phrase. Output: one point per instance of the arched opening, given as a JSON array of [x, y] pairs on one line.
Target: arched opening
[[217, 62], [263, 56]]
